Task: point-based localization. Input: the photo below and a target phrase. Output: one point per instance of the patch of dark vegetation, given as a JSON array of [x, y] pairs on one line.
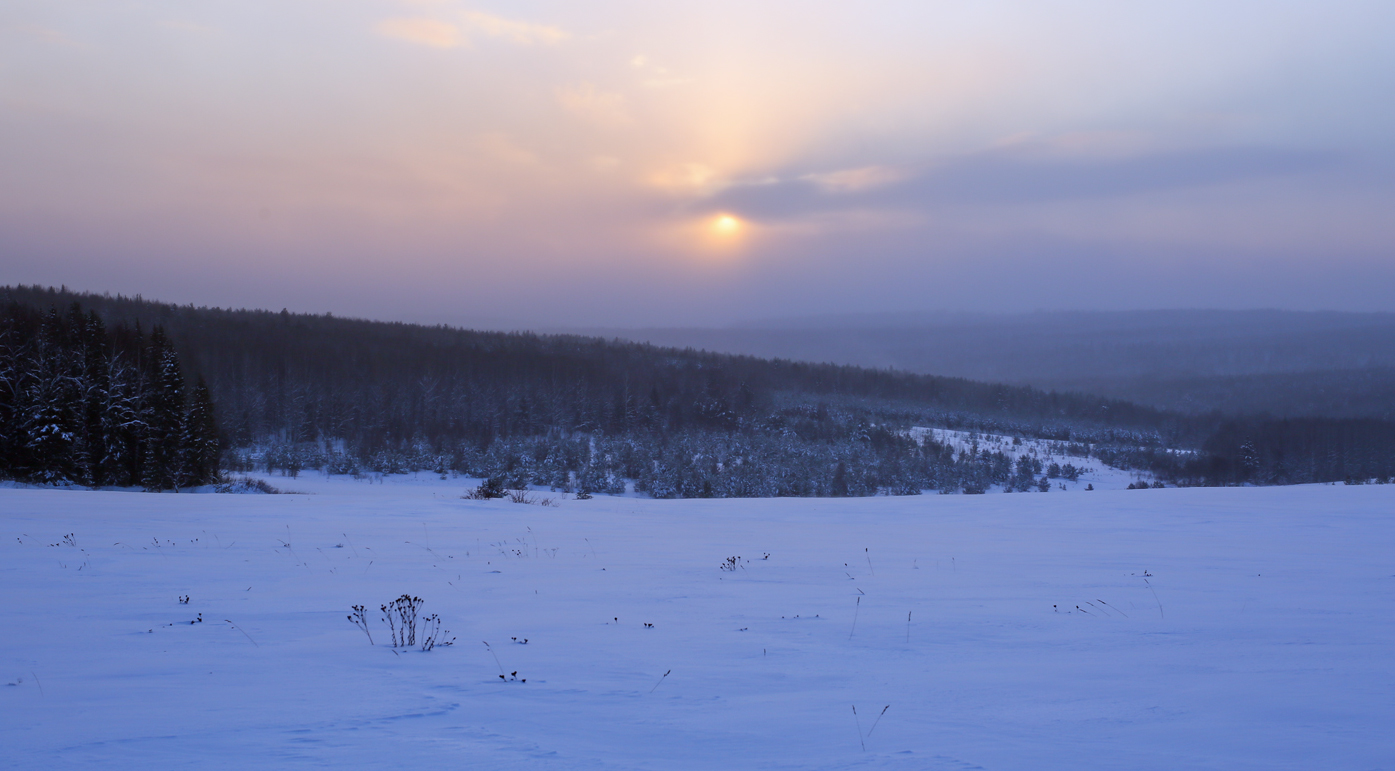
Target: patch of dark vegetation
[[246, 485], [405, 624]]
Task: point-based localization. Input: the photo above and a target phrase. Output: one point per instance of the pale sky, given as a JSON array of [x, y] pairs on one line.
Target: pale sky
[[686, 163]]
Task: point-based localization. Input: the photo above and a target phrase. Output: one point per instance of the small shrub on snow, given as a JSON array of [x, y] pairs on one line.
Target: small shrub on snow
[[245, 485], [523, 496], [492, 487], [358, 620], [404, 624]]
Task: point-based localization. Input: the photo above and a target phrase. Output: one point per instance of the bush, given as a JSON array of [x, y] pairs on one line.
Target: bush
[[492, 487]]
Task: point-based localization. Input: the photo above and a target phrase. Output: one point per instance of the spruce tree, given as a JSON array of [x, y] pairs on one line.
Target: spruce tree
[[95, 391], [839, 487], [48, 425], [49, 445], [199, 441], [164, 416]]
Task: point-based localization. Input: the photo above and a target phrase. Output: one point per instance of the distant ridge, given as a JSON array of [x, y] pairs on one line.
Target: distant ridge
[[1280, 363]]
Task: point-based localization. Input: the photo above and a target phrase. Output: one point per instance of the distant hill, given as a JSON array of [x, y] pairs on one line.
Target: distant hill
[[1279, 363], [298, 391], [257, 360]]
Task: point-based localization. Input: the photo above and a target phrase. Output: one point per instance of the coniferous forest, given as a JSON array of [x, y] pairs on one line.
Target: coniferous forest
[[96, 390], [85, 404]]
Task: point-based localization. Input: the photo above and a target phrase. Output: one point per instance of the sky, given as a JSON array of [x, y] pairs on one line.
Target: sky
[[626, 163]]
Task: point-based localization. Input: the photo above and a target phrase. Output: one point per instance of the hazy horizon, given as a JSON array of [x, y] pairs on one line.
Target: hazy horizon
[[542, 164], [868, 320]]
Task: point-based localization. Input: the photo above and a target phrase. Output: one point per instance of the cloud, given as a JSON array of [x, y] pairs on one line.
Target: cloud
[[423, 31], [654, 75], [601, 108], [437, 33], [688, 179], [521, 32], [1014, 176], [855, 180]]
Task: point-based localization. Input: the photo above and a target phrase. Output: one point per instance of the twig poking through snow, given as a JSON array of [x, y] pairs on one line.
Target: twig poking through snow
[[878, 720], [238, 628], [1155, 599], [858, 720], [856, 608], [496, 658], [869, 561], [661, 679], [357, 619], [908, 626], [1111, 607]]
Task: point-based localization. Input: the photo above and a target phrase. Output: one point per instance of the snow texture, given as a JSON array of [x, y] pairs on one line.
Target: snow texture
[[1240, 628]]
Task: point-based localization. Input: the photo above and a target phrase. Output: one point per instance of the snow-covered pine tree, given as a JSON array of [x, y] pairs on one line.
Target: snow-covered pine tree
[[199, 441], [123, 426], [48, 431], [164, 414], [94, 384], [47, 422]]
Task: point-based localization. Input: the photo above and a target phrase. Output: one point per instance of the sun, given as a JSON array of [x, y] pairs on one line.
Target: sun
[[726, 225], [717, 237]]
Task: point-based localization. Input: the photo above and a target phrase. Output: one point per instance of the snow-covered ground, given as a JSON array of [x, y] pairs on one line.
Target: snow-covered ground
[[1095, 473], [1260, 636]]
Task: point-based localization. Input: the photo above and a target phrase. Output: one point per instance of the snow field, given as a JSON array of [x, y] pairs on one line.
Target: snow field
[[1095, 471], [1261, 638]]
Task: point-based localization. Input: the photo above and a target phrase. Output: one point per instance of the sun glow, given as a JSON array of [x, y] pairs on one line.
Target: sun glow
[[711, 238], [726, 226]]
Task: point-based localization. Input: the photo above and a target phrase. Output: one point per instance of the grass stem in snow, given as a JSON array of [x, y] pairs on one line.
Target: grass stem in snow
[[1155, 599], [661, 680], [858, 720], [496, 659], [856, 608], [878, 720], [240, 629]]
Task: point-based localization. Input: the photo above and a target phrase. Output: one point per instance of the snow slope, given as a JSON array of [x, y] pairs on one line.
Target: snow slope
[[1095, 472], [1261, 638]]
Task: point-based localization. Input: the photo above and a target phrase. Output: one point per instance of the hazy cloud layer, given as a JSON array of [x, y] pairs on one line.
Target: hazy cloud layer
[[680, 163], [1016, 176]]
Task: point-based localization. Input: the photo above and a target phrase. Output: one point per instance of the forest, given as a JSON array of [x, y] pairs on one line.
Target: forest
[[83, 404], [94, 390]]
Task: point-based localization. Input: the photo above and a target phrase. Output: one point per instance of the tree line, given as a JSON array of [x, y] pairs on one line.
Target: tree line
[[375, 385], [298, 391], [81, 403]]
